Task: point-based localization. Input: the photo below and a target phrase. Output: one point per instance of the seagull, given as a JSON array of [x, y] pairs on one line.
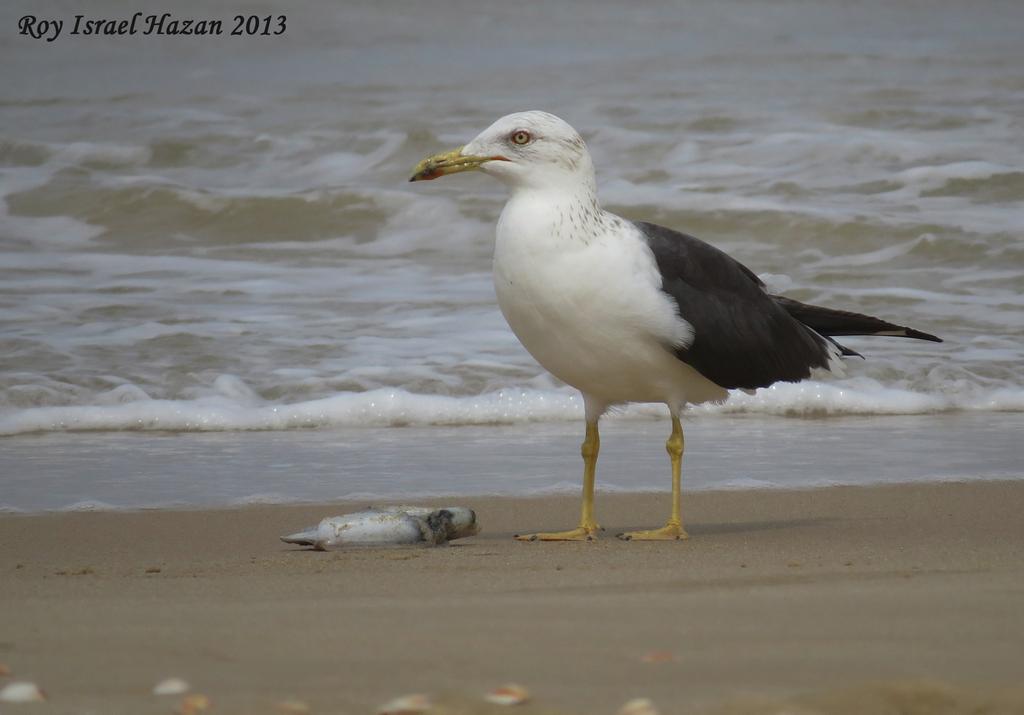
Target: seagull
[[628, 311]]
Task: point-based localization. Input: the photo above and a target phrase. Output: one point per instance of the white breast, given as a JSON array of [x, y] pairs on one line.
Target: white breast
[[582, 292]]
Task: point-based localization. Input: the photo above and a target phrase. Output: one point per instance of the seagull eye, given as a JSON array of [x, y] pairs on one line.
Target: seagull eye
[[521, 137]]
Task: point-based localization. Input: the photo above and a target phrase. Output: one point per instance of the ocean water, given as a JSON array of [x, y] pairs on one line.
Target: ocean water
[[131, 470], [216, 234]]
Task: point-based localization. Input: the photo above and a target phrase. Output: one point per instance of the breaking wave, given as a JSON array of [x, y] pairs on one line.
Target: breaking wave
[[238, 408]]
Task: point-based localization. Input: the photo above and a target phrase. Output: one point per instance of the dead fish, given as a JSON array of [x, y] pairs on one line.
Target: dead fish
[[389, 525], [369, 528], [460, 522]]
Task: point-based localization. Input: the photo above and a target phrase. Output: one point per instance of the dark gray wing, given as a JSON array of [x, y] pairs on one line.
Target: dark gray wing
[[742, 336]]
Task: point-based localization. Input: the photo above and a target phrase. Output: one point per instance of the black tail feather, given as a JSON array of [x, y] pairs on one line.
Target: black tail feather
[[830, 322]]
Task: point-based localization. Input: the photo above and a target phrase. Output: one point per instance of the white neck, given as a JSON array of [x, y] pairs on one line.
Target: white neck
[[564, 212]]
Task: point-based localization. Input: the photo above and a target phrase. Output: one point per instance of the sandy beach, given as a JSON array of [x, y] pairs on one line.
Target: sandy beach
[[778, 594], [226, 312]]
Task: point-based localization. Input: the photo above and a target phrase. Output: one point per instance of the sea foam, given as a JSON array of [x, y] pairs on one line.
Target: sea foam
[[236, 407]]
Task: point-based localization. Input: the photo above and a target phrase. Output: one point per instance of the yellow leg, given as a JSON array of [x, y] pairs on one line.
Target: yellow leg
[[588, 528], [673, 530]]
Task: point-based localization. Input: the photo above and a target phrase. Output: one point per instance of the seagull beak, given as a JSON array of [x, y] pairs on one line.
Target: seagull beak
[[449, 162]]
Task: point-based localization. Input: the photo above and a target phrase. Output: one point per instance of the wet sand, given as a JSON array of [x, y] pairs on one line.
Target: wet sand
[[777, 594]]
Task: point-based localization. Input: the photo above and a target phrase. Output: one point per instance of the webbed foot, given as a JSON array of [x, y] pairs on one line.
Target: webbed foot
[[669, 532], [580, 533]]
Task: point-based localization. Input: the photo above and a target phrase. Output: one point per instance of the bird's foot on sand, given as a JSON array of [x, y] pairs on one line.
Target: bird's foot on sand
[[669, 532], [580, 533]]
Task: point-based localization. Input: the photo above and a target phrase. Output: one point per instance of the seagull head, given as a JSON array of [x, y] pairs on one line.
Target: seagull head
[[525, 150]]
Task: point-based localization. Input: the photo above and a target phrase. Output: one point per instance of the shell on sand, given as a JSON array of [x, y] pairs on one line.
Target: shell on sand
[[510, 694], [293, 707], [389, 525], [638, 706], [21, 692], [192, 704], [405, 705], [171, 686]]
